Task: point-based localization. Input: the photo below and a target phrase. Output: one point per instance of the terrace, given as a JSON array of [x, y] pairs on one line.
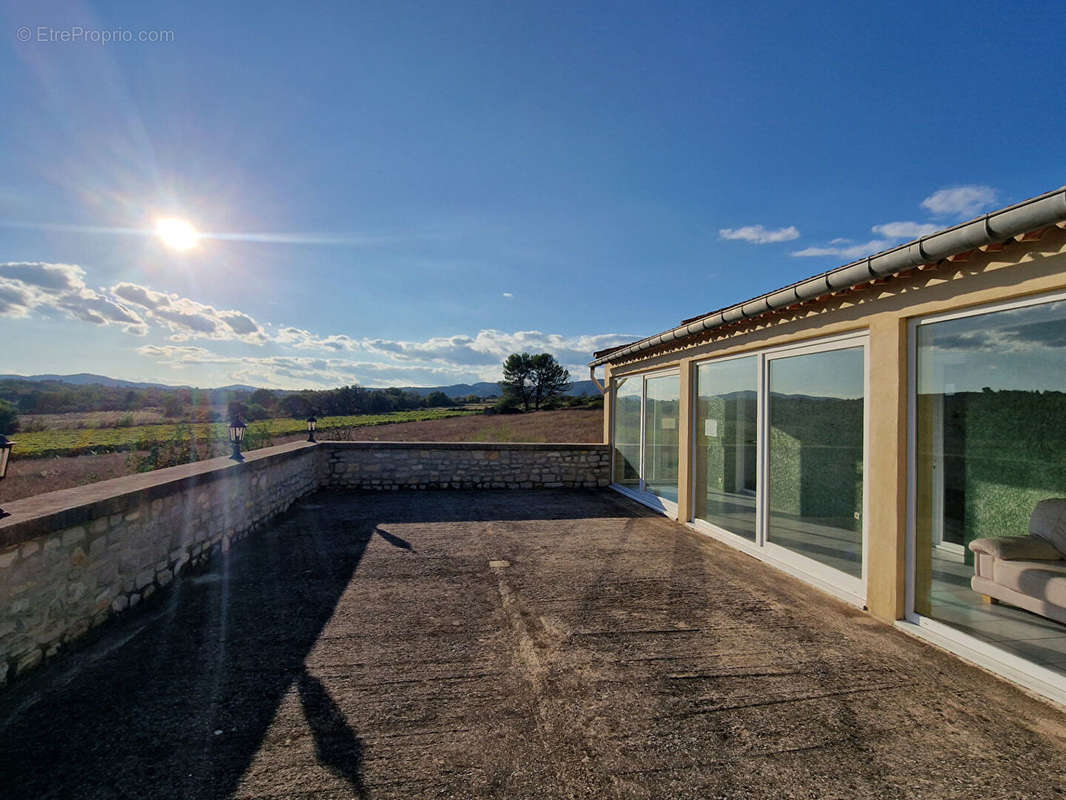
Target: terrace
[[562, 642]]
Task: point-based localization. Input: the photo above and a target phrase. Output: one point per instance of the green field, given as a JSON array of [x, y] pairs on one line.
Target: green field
[[41, 444]]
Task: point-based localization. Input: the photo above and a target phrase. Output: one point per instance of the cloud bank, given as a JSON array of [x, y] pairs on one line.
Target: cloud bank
[[307, 357]]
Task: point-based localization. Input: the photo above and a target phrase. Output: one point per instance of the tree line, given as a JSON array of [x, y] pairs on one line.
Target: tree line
[[207, 405], [342, 401]]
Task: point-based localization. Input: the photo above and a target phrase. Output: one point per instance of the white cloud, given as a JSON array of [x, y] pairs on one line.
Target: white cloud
[[490, 347], [757, 234], [16, 299], [52, 278], [960, 201], [508, 295], [431, 362], [90, 306], [305, 340], [906, 230], [35, 285], [188, 319], [299, 371], [852, 252]]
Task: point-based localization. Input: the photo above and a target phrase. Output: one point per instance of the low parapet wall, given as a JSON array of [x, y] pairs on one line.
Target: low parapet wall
[[465, 465], [70, 560]]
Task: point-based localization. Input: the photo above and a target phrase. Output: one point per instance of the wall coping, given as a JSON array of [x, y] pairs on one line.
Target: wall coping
[[42, 514], [519, 446]]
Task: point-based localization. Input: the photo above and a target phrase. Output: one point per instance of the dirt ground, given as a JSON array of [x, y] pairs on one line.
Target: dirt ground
[[33, 476], [544, 644]]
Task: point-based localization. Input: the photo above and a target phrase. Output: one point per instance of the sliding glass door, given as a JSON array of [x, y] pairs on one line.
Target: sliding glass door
[[725, 440], [778, 457], [662, 401], [645, 437], [628, 420], [989, 467], [816, 456]]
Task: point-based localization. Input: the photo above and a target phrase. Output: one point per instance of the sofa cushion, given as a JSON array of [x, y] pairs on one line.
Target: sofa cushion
[[1017, 548], [1048, 521], [1044, 580]]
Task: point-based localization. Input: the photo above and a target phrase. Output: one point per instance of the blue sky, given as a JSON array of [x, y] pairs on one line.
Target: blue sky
[[403, 193]]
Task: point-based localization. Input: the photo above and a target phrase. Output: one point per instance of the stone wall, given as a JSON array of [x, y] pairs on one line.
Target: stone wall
[[71, 559], [465, 465]]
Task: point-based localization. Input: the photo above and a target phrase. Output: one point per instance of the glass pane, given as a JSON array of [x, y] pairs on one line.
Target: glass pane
[[627, 396], [661, 410], [991, 444], [816, 433], [726, 444]]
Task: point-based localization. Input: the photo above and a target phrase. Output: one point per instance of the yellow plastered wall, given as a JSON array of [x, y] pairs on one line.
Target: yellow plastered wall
[[884, 311]]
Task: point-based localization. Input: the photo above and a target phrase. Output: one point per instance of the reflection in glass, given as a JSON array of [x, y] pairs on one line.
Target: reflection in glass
[[627, 402], [991, 444], [726, 444], [815, 456], [661, 410]]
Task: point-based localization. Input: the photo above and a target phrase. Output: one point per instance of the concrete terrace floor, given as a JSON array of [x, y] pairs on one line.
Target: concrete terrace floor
[[363, 646]]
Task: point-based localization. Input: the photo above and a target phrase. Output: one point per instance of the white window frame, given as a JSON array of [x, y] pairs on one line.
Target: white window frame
[[1049, 683], [653, 501], [833, 581]]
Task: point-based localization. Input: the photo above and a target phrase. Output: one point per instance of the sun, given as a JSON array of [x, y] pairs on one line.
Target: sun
[[177, 234]]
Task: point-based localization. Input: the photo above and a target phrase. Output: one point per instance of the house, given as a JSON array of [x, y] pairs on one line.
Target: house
[[861, 428]]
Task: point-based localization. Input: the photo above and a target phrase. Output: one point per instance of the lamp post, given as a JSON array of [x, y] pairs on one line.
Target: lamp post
[[5, 455], [312, 426], [236, 436]]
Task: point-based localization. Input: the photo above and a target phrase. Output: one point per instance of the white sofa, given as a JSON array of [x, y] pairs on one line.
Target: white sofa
[[1027, 571]]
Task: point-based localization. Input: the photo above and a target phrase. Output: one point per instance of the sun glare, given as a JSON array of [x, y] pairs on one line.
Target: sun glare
[[176, 234]]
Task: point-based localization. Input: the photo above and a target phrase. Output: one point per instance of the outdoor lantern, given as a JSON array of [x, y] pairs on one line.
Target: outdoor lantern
[[312, 426], [236, 436], [5, 454]]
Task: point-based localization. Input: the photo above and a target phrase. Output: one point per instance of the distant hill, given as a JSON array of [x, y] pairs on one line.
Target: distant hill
[[88, 379], [481, 389], [489, 389]]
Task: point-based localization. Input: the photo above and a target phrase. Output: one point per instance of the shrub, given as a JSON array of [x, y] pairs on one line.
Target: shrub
[[9, 417], [257, 436], [254, 411], [438, 399], [151, 454], [172, 407], [508, 404]]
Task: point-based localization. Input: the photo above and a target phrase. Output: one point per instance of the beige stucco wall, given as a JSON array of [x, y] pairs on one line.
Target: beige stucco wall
[[883, 311]]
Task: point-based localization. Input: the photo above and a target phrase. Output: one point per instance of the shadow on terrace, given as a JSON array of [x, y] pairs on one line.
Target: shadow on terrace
[[175, 701]]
